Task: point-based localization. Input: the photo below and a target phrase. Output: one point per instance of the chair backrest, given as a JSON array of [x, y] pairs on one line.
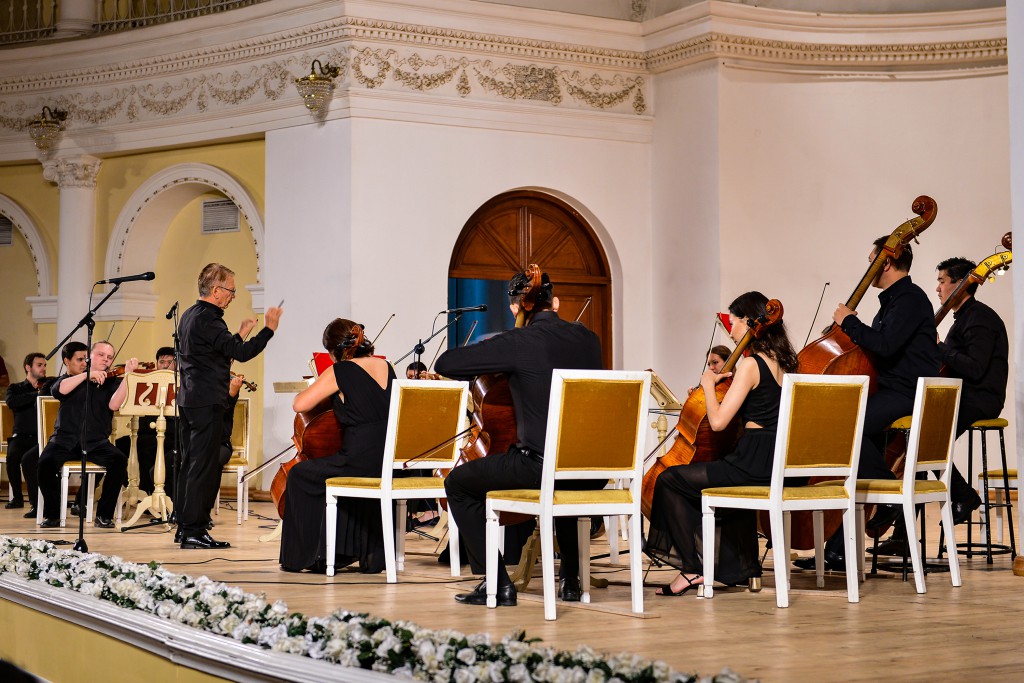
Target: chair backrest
[[46, 418], [240, 429], [423, 420], [821, 419], [6, 425], [597, 421], [933, 427]]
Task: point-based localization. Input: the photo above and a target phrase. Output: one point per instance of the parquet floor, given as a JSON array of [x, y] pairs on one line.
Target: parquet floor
[[968, 633]]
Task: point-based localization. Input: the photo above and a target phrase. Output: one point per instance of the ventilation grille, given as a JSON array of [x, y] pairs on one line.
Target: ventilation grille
[[219, 215], [6, 232]]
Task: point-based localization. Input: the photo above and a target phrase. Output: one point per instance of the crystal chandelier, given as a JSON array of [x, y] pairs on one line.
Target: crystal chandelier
[[316, 88], [47, 129]]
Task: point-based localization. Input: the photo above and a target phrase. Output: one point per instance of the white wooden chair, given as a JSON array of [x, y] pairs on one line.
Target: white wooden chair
[[596, 428], [46, 416], [238, 465], [929, 449], [423, 415], [821, 418]]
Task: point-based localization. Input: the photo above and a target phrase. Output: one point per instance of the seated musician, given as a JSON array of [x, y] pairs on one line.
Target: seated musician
[[359, 388], [414, 370], [676, 517], [902, 341], [528, 355], [145, 443], [717, 357], [23, 446], [105, 396]]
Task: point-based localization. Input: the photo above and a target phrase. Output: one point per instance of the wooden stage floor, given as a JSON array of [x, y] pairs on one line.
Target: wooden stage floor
[[968, 633]]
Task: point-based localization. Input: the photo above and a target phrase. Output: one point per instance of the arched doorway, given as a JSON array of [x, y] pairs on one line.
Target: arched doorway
[[517, 228]]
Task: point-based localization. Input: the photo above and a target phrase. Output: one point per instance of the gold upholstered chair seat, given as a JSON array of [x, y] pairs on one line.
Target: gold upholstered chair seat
[[425, 421], [578, 447], [820, 422]]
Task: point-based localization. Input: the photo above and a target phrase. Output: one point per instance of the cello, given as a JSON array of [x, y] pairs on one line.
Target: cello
[[834, 353], [695, 440], [317, 434]]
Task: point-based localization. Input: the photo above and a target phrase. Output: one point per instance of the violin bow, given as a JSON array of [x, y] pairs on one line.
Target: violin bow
[[585, 304], [816, 311], [470, 335], [434, 449], [436, 353], [386, 323], [123, 341], [274, 458], [711, 343]]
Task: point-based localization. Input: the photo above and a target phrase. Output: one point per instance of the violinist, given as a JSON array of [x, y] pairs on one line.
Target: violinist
[[204, 356], [717, 357], [977, 351], [105, 396], [902, 341], [23, 446], [528, 355], [145, 443], [359, 389], [415, 369], [675, 532]]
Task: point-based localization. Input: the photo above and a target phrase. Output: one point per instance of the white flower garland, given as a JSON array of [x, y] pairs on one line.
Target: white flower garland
[[347, 638]]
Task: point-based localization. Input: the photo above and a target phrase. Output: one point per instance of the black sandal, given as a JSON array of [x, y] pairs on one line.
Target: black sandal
[[666, 590]]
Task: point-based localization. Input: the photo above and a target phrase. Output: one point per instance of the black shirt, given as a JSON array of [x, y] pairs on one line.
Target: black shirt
[[205, 354], [902, 337], [68, 429], [21, 399], [976, 350], [528, 355]]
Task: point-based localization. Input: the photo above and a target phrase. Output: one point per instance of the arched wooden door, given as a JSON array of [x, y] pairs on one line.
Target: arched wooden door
[[517, 228]]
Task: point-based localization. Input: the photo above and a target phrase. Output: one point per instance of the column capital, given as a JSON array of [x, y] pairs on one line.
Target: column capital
[[77, 171]]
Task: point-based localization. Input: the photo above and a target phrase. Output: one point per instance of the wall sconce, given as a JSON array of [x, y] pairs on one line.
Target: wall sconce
[[316, 88], [47, 129]]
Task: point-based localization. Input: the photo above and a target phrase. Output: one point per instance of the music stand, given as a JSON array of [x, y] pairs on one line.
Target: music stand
[[152, 393]]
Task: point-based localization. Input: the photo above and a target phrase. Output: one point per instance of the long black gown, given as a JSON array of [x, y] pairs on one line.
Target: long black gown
[[675, 536], [364, 416]]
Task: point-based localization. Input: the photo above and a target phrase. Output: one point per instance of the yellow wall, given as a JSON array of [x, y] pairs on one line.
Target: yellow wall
[[17, 281]]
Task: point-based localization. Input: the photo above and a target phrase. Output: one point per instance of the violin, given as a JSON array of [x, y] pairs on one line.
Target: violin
[[249, 386], [119, 369], [695, 441], [834, 353]]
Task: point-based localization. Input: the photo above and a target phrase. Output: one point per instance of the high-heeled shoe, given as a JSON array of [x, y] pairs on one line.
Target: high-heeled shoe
[[666, 590]]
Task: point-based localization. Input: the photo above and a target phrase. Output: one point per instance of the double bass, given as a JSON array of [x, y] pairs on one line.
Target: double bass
[[834, 353], [695, 440]]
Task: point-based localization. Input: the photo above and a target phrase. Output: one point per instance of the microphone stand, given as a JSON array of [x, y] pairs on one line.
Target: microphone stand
[[420, 348], [89, 322]]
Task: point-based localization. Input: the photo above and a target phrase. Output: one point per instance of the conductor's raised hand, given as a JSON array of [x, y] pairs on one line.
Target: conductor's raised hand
[[246, 327], [273, 316]]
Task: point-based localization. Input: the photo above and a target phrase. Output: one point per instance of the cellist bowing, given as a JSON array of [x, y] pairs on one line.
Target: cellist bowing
[[675, 532], [528, 354], [902, 341]]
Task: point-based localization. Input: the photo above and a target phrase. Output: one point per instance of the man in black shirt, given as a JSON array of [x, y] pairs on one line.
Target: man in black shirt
[[205, 354], [105, 396], [902, 342], [977, 351], [527, 355], [23, 446]]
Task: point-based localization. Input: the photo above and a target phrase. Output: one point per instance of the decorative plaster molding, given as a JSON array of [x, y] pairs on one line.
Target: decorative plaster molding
[[44, 308], [129, 305], [36, 245], [256, 292], [66, 172]]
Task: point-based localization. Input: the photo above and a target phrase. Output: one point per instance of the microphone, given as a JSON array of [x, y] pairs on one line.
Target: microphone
[[128, 278], [174, 309], [467, 309]]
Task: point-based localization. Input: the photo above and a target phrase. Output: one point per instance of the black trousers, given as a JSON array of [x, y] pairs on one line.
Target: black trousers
[[104, 453], [199, 475], [23, 456], [467, 487]]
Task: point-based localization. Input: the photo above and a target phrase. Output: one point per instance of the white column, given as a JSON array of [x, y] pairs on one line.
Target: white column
[[1015, 27], [76, 178], [76, 18], [308, 256]]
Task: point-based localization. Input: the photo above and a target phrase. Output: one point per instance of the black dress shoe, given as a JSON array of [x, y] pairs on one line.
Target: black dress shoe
[[896, 547], [15, 504], [506, 595], [834, 562], [49, 523], [177, 535], [31, 513], [885, 516], [202, 541], [569, 589], [75, 512], [962, 509], [102, 522]]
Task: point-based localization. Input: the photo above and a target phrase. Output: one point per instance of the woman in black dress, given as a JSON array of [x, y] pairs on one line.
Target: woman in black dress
[[359, 386], [675, 533]]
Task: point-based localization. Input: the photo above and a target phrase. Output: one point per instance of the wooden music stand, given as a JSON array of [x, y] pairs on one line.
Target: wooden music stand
[[152, 394]]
